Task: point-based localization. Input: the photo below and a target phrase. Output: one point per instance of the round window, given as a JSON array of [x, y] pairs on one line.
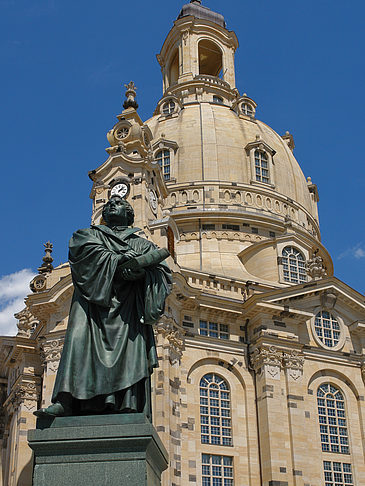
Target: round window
[[122, 133], [327, 329]]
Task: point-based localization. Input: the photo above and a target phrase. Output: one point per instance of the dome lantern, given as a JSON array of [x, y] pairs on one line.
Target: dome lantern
[[198, 48]]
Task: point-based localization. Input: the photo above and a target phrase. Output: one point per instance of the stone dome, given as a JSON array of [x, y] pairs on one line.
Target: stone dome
[[235, 190], [223, 138]]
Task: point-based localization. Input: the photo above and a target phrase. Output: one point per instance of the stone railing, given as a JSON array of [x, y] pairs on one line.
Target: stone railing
[[241, 199], [216, 284], [212, 80]]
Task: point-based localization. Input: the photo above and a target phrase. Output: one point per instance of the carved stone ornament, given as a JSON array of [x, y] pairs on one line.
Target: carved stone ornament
[[51, 354], [174, 337], [38, 284], [47, 266], [130, 94], [363, 371], [26, 323], [293, 362], [25, 393], [328, 299], [315, 267], [268, 360]]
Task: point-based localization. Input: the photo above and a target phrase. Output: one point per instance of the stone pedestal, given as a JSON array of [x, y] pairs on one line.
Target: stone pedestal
[[95, 450]]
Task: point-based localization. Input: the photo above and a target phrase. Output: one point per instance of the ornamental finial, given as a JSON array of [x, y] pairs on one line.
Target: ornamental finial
[[130, 94], [196, 1], [47, 259]]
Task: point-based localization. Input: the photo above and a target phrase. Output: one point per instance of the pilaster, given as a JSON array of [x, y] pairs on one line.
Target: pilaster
[[21, 403], [293, 364], [274, 429], [167, 395]]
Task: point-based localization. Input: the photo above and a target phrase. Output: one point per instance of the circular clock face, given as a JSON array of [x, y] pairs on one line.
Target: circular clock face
[[153, 200], [120, 189]]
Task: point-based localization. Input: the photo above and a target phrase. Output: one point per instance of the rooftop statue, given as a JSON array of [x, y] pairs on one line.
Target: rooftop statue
[[120, 286]]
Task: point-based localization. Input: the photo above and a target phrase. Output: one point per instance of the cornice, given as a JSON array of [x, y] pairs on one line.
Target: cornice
[[274, 297]]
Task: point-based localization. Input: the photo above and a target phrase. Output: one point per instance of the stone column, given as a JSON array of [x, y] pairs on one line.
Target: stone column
[[274, 433]]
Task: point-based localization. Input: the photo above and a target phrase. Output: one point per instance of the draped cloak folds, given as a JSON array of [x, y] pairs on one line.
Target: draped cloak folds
[[109, 344]]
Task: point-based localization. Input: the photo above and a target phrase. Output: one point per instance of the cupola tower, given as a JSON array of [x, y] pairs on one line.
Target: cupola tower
[[198, 46]]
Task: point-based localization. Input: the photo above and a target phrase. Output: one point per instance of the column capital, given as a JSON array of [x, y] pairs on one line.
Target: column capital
[[267, 360], [24, 393], [51, 351], [293, 362]]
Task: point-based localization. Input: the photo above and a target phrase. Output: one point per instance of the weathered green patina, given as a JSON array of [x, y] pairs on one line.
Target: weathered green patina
[[109, 351]]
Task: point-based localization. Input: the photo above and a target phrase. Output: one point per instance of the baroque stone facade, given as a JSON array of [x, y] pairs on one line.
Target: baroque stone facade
[[261, 349]]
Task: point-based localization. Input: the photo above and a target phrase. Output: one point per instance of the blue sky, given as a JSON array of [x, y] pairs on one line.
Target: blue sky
[[63, 67]]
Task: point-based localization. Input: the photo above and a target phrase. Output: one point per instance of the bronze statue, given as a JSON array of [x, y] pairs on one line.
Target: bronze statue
[[120, 286]]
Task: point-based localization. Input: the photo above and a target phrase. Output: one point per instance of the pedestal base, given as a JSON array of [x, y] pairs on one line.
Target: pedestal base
[[97, 450]]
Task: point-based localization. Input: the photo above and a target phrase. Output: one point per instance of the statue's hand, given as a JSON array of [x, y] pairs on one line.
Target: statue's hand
[[131, 253], [126, 256], [129, 274]]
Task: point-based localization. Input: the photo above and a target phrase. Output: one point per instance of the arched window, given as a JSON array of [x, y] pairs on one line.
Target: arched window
[[174, 69], [332, 419], [327, 329], [163, 158], [210, 58], [168, 107], [293, 265], [262, 167], [215, 410]]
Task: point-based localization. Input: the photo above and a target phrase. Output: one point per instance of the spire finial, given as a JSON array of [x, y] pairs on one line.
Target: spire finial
[[47, 259], [196, 1], [130, 94]]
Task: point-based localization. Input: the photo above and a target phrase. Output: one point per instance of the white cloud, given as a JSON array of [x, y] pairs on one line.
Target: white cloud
[[357, 251], [13, 289]]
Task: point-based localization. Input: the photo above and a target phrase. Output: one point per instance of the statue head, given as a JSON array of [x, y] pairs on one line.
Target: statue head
[[118, 212]]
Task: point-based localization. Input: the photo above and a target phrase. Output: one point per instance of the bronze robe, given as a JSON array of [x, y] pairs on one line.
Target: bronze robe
[[109, 345]]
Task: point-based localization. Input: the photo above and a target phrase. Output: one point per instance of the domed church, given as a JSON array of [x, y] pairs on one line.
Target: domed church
[[261, 348]]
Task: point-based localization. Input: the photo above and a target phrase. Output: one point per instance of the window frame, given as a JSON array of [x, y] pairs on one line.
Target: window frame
[[215, 411], [166, 100], [262, 171], [342, 329], [333, 481], [170, 109], [221, 329], [163, 144], [246, 107], [210, 464], [293, 247], [330, 424], [261, 146], [163, 151]]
